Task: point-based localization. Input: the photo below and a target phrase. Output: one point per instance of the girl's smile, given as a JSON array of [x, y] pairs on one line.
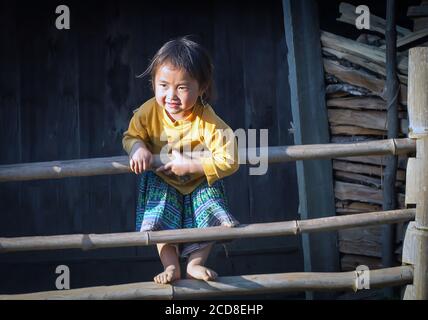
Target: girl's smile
[[176, 90]]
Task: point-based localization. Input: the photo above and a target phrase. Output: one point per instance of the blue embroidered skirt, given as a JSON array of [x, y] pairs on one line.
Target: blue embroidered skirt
[[162, 207]]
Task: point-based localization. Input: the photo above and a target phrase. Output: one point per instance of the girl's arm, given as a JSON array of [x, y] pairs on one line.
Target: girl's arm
[[224, 160]]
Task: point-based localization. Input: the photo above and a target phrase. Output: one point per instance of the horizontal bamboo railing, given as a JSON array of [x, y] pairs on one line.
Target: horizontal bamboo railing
[[97, 241], [252, 284], [227, 286], [120, 164]]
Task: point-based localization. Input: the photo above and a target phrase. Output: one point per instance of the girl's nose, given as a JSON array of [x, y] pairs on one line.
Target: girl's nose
[[171, 94]]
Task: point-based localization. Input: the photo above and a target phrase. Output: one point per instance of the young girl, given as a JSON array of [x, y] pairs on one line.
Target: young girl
[[186, 192]]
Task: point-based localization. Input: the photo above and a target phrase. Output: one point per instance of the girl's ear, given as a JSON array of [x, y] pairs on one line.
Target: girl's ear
[[202, 98], [201, 92], [202, 89]]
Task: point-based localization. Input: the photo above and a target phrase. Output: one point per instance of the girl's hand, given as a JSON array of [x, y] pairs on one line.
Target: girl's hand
[[180, 165], [140, 158]]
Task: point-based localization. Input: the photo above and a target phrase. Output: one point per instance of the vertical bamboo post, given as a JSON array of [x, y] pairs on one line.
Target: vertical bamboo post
[[392, 92], [418, 129]]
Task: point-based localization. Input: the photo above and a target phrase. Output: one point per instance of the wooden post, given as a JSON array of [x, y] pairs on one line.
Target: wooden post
[[418, 129]]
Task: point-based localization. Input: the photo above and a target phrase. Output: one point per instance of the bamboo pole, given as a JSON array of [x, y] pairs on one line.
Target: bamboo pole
[[418, 129], [234, 285], [129, 239], [120, 164], [392, 95]]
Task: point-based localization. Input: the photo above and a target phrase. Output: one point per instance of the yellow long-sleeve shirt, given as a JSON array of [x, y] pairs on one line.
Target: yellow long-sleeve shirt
[[201, 130]]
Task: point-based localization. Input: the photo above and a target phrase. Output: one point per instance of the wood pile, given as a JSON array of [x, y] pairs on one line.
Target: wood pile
[[355, 76]]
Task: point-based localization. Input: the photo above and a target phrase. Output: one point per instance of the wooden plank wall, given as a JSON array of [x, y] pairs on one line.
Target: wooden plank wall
[[70, 94]]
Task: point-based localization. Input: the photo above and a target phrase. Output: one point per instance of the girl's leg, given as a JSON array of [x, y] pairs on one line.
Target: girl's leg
[[195, 265], [171, 264]]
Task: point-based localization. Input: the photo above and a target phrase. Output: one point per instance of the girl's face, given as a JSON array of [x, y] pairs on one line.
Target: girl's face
[[176, 90]]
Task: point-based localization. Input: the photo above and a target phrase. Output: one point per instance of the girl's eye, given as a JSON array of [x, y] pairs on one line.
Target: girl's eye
[[182, 88], [162, 85]]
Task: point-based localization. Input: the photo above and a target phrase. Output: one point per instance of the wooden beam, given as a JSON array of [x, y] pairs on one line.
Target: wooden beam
[[226, 286], [129, 239]]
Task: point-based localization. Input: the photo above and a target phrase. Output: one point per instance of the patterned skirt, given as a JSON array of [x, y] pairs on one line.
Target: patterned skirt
[[162, 207]]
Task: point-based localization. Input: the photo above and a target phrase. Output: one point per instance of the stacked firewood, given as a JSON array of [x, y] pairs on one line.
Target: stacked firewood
[[355, 76]]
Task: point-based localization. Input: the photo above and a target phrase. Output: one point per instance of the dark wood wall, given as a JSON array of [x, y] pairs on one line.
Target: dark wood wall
[[69, 94]]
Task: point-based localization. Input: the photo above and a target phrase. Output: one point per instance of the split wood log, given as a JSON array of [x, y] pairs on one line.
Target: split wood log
[[351, 139], [338, 90], [356, 207], [226, 286], [358, 178], [366, 119], [354, 130], [362, 62], [380, 161], [361, 79], [364, 51], [358, 103], [348, 15], [357, 192], [129, 239], [350, 262], [376, 120], [361, 241], [365, 169]]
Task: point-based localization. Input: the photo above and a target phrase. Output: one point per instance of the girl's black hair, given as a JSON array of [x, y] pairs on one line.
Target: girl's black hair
[[189, 55]]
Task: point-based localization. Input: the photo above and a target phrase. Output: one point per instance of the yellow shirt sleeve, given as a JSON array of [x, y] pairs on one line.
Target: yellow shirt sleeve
[[221, 142], [136, 131]]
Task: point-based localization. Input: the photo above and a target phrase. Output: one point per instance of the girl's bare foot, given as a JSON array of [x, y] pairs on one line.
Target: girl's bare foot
[[199, 272], [228, 224], [169, 275]]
